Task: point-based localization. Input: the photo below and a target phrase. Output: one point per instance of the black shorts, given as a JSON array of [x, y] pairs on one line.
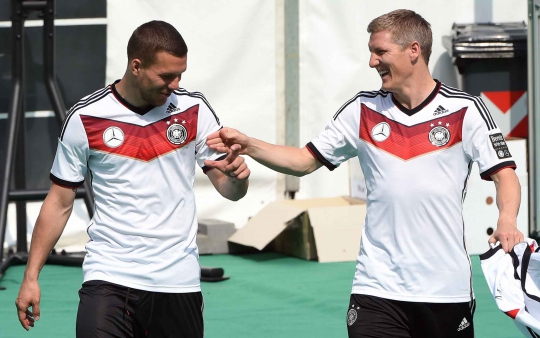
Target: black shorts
[[110, 310], [374, 317]]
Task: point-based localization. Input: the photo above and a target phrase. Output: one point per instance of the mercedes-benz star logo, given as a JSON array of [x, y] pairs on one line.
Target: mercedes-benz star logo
[[381, 132], [113, 137]]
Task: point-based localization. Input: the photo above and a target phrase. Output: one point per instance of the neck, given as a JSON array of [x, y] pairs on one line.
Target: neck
[[129, 92], [415, 91]]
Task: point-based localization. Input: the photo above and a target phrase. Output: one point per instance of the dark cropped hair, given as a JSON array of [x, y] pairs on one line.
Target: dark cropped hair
[[153, 37]]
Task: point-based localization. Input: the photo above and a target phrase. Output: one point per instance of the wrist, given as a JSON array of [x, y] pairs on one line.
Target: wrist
[[505, 220], [249, 147], [31, 276]]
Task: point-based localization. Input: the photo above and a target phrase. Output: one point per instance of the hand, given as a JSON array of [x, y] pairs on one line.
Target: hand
[[233, 165], [507, 234], [223, 139], [29, 296]]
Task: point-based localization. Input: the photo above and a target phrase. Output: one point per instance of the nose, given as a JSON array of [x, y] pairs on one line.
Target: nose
[[174, 84], [373, 60]]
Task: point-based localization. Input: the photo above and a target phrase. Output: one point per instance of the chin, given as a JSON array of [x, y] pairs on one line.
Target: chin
[[387, 86], [159, 102]]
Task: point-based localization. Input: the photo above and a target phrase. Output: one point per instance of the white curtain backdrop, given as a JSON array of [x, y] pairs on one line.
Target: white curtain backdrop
[[233, 61]]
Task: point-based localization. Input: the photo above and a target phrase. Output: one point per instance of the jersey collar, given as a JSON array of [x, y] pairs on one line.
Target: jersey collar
[[137, 110], [421, 106]]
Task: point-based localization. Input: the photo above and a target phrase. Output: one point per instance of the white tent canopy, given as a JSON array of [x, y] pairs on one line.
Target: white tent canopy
[[236, 60]]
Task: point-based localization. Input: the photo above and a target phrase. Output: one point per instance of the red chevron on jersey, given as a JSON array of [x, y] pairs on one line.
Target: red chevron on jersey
[[144, 143], [407, 142], [143, 164]]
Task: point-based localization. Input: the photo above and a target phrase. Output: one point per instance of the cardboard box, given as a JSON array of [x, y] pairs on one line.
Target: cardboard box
[[323, 229], [212, 236]]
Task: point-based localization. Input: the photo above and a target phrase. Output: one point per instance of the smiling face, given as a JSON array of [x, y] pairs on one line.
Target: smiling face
[[393, 63], [156, 82]]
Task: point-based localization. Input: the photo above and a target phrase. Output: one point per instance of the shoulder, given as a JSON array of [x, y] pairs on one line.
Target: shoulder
[[86, 104], [374, 95], [476, 108], [90, 100], [188, 98], [363, 97], [458, 95], [182, 93]]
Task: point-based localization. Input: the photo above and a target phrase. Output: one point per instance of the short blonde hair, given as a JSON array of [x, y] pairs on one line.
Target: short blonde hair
[[406, 26]]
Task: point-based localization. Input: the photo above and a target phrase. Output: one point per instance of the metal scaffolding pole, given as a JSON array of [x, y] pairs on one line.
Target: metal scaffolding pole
[[288, 84], [534, 115], [15, 153]]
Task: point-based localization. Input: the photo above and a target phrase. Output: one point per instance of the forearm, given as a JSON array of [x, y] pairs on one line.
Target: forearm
[[232, 188], [283, 159], [508, 197], [49, 226]]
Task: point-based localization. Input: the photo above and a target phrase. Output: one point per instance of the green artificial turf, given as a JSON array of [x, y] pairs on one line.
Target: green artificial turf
[[268, 295]]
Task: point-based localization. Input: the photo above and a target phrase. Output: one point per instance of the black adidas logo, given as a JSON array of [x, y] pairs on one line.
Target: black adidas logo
[[172, 108], [440, 110]]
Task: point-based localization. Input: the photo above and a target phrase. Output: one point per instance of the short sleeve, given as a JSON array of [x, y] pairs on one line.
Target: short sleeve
[[484, 142], [338, 141], [207, 123], [70, 163]]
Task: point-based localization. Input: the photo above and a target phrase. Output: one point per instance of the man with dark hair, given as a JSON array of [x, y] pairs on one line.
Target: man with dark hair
[[140, 139], [416, 140], [153, 37]]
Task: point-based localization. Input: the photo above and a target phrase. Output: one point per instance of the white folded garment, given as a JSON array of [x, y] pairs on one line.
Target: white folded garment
[[514, 281]]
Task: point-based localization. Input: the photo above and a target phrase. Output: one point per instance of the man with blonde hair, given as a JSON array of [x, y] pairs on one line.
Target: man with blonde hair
[[416, 140]]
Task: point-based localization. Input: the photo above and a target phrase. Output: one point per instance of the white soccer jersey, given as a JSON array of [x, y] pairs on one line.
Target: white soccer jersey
[[142, 165], [416, 163], [514, 280]]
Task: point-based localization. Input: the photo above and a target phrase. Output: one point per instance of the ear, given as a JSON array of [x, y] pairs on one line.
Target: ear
[[135, 66], [415, 51]]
